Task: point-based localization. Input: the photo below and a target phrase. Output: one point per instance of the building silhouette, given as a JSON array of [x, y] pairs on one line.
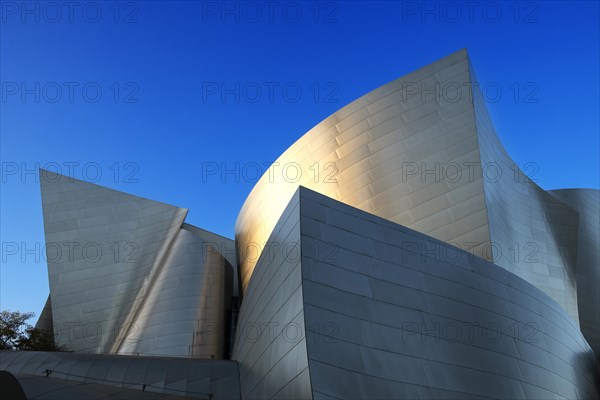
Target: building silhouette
[[407, 256]]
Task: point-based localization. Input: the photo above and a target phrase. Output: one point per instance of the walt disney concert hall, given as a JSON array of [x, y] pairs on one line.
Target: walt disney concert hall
[[421, 263]]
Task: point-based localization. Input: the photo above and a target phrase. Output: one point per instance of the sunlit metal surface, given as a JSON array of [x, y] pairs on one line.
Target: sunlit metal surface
[[394, 251], [361, 156], [134, 282], [186, 310], [421, 151], [270, 346], [371, 309], [223, 245]]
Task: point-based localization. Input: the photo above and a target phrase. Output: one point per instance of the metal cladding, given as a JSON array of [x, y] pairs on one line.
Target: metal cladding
[[383, 319], [134, 281], [406, 256], [370, 154], [587, 203], [188, 378], [185, 299], [36, 386], [421, 151], [270, 346], [534, 234]]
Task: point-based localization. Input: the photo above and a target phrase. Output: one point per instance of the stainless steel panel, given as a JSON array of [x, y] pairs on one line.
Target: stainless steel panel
[[372, 153], [270, 346], [366, 159], [189, 378], [587, 203], [149, 287], [494, 336]]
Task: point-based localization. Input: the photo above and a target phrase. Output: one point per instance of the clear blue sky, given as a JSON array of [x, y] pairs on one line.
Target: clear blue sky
[[159, 64]]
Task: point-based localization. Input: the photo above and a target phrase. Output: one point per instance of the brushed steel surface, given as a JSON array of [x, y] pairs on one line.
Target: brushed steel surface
[[421, 151], [389, 312], [535, 232], [587, 203], [361, 154], [377, 258], [38, 387], [191, 378], [270, 346], [150, 288], [186, 310]]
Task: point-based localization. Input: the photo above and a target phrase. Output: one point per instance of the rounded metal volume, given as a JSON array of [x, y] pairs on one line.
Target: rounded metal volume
[[393, 313], [421, 151], [185, 311]]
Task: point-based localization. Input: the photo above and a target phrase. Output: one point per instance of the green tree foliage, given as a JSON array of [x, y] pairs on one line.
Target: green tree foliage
[[17, 334], [13, 327]]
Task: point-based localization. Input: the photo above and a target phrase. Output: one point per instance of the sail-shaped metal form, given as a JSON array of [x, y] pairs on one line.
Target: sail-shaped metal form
[[125, 278], [421, 151], [394, 251]]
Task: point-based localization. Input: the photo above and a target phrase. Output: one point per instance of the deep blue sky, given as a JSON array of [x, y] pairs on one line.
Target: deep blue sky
[[163, 56]]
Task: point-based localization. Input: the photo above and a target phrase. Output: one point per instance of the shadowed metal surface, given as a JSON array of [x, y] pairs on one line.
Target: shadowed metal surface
[[191, 378], [10, 387], [38, 387], [534, 234], [587, 203], [270, 346], [45, 322], [384, 319]]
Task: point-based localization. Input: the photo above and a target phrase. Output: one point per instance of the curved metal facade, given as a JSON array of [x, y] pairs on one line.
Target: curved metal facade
[[216, 379], [534, 233], [185, 312], [394, 251], [365, 155], [270, 347], [134, 281], [36, 386], [587, 203], [392, 313], [421, 151]]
